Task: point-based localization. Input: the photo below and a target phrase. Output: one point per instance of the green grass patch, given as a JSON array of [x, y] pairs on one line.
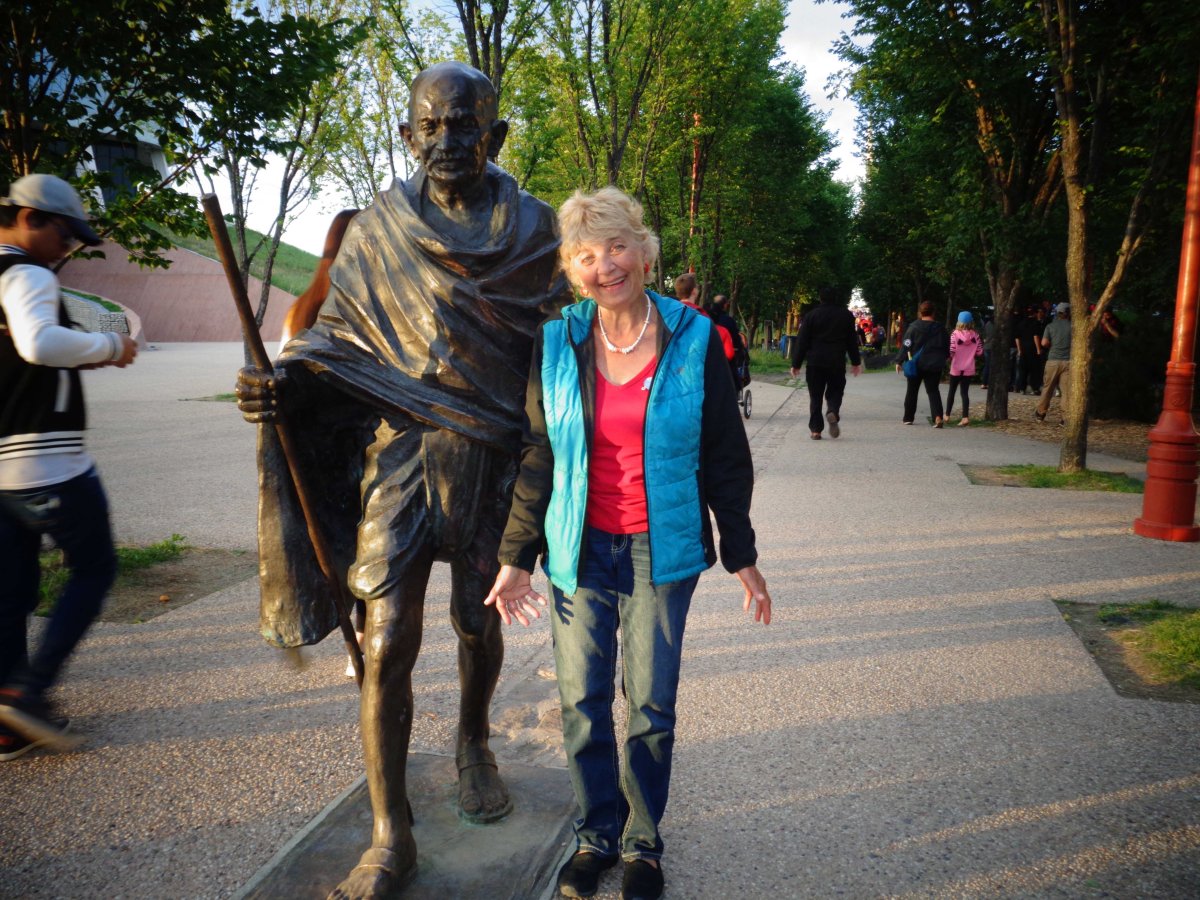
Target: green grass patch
[[1167, 636], [129, 559], [293, 269], [763, 361], [107, 304], [1087, 480]]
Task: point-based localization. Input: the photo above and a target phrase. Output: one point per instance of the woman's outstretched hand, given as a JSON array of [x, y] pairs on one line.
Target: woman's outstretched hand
[[756, 593], [514, 596]]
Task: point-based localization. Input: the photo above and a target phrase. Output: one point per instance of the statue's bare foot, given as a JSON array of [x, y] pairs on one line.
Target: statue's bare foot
[[380, 874], [482, 795]]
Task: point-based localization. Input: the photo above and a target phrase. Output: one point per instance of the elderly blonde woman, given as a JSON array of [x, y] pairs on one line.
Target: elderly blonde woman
[[633, 435]]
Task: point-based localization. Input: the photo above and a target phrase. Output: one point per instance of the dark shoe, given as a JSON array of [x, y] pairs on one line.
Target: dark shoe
[[642, 881], [833, 419], [815, 435], [580, 877], [33, 719], [13, 745]]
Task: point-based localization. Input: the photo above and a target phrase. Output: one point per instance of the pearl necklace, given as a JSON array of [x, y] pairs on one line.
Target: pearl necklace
[[613, 348]]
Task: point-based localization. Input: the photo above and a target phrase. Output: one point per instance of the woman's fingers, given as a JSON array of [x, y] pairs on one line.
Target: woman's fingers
[[756, 593], [513, 597]]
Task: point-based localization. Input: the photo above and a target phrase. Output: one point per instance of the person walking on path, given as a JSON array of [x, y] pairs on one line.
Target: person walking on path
[[1057, 342], [1028, 341], [632, 436], [927, 342], [827, 336], [965, 347], [48, 482]]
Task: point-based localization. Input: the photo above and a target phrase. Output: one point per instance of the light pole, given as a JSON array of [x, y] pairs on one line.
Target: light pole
[[1169, 504]]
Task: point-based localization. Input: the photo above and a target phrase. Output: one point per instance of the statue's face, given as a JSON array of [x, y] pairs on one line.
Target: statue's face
[[450, 131]]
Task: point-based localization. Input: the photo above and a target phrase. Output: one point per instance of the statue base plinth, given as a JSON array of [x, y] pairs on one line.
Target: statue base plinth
[[515, 858]]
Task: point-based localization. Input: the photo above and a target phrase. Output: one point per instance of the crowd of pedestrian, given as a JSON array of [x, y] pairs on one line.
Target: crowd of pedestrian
[[1039, 358]]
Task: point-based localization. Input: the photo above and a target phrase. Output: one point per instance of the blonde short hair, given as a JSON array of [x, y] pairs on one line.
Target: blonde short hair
[[588, 218]]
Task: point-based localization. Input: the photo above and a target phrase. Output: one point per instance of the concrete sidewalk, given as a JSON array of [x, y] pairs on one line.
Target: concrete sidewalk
[[917, 721]]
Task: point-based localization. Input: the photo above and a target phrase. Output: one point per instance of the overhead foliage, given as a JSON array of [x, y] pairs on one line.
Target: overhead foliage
[[181, 76], [967, 109]]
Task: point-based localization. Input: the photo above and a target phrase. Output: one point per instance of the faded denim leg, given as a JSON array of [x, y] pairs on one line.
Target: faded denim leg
[[653, 618], [619, 812], [584, 627]]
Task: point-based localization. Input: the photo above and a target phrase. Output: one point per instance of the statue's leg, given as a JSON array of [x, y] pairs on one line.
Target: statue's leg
[[482, 794], [393, 640]]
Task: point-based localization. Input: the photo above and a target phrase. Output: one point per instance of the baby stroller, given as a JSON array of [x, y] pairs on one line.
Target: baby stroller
[[740, 365]]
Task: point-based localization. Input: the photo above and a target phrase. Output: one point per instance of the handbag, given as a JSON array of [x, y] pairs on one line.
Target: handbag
[[909, 366]]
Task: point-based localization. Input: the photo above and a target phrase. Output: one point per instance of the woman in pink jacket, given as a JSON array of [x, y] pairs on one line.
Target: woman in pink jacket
[[965, 347]]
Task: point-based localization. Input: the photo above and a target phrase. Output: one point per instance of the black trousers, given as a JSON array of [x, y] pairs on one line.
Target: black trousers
[[826, 385], [931, 381], [1029, 371]]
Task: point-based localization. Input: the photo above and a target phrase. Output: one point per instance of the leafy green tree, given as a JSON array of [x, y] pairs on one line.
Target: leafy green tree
[[363, 126], [780, 221], [607, 54], [183, 76], [974, 67], [1123, 76], [496, 32], [301, 142]]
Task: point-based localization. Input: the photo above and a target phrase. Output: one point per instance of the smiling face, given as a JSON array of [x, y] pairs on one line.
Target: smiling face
[[452, 125], [611, 271]]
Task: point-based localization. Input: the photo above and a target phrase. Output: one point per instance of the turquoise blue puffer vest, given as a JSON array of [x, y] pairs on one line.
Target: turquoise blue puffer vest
[[672, 444]]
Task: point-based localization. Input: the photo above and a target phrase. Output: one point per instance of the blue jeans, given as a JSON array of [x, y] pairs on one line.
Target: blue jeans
[[619, 810], [75, 515]]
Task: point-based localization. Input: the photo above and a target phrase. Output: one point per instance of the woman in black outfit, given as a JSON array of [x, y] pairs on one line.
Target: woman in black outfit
[[930, 338]]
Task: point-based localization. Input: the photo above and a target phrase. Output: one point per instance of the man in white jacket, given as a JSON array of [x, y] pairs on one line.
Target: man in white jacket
[[48, 482]]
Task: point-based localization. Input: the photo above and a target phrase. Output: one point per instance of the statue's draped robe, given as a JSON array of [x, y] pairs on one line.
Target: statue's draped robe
[[414, 325]]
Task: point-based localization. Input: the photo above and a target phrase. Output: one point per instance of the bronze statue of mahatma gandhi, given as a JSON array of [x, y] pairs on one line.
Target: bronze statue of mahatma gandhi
[[406, 398]]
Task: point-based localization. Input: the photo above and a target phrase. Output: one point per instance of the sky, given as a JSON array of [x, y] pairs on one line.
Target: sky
[[810, 32], [808, 38]]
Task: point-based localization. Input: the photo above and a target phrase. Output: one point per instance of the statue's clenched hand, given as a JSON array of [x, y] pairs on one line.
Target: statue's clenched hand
[[258, 393]]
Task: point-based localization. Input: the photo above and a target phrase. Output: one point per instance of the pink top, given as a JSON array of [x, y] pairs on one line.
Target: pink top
[[616, 480], [965, 345]]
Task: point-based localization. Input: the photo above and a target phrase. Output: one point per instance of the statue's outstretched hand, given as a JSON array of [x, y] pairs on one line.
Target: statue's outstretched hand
[[514, 596], [258, 394]]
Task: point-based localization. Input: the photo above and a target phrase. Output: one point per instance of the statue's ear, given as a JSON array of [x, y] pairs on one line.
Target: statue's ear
[[406, 136], [499, 133]]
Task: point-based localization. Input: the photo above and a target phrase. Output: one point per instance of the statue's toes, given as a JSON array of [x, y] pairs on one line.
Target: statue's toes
[[482, 796]]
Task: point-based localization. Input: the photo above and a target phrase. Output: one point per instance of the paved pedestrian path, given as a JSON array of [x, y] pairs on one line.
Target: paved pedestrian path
[[917, 721]]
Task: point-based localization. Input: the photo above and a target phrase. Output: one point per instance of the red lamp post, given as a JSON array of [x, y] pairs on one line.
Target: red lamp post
[[1169, 504]]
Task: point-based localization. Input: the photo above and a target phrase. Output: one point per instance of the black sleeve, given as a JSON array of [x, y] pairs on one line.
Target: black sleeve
[[852, 342], [725, 463], [524, 536], [905, 343], [803, 343]]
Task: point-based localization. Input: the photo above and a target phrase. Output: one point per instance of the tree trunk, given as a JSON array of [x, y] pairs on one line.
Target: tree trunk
[[1003, 285], [1073, 457]]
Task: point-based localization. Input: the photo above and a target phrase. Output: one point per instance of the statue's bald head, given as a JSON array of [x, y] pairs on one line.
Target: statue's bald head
[[482, 92], [452, 130]]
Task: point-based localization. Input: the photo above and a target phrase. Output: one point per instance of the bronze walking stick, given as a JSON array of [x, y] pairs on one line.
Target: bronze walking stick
[[342, 602]]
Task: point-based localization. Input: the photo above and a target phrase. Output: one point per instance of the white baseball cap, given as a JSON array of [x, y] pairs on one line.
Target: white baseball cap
[[50, 194]]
